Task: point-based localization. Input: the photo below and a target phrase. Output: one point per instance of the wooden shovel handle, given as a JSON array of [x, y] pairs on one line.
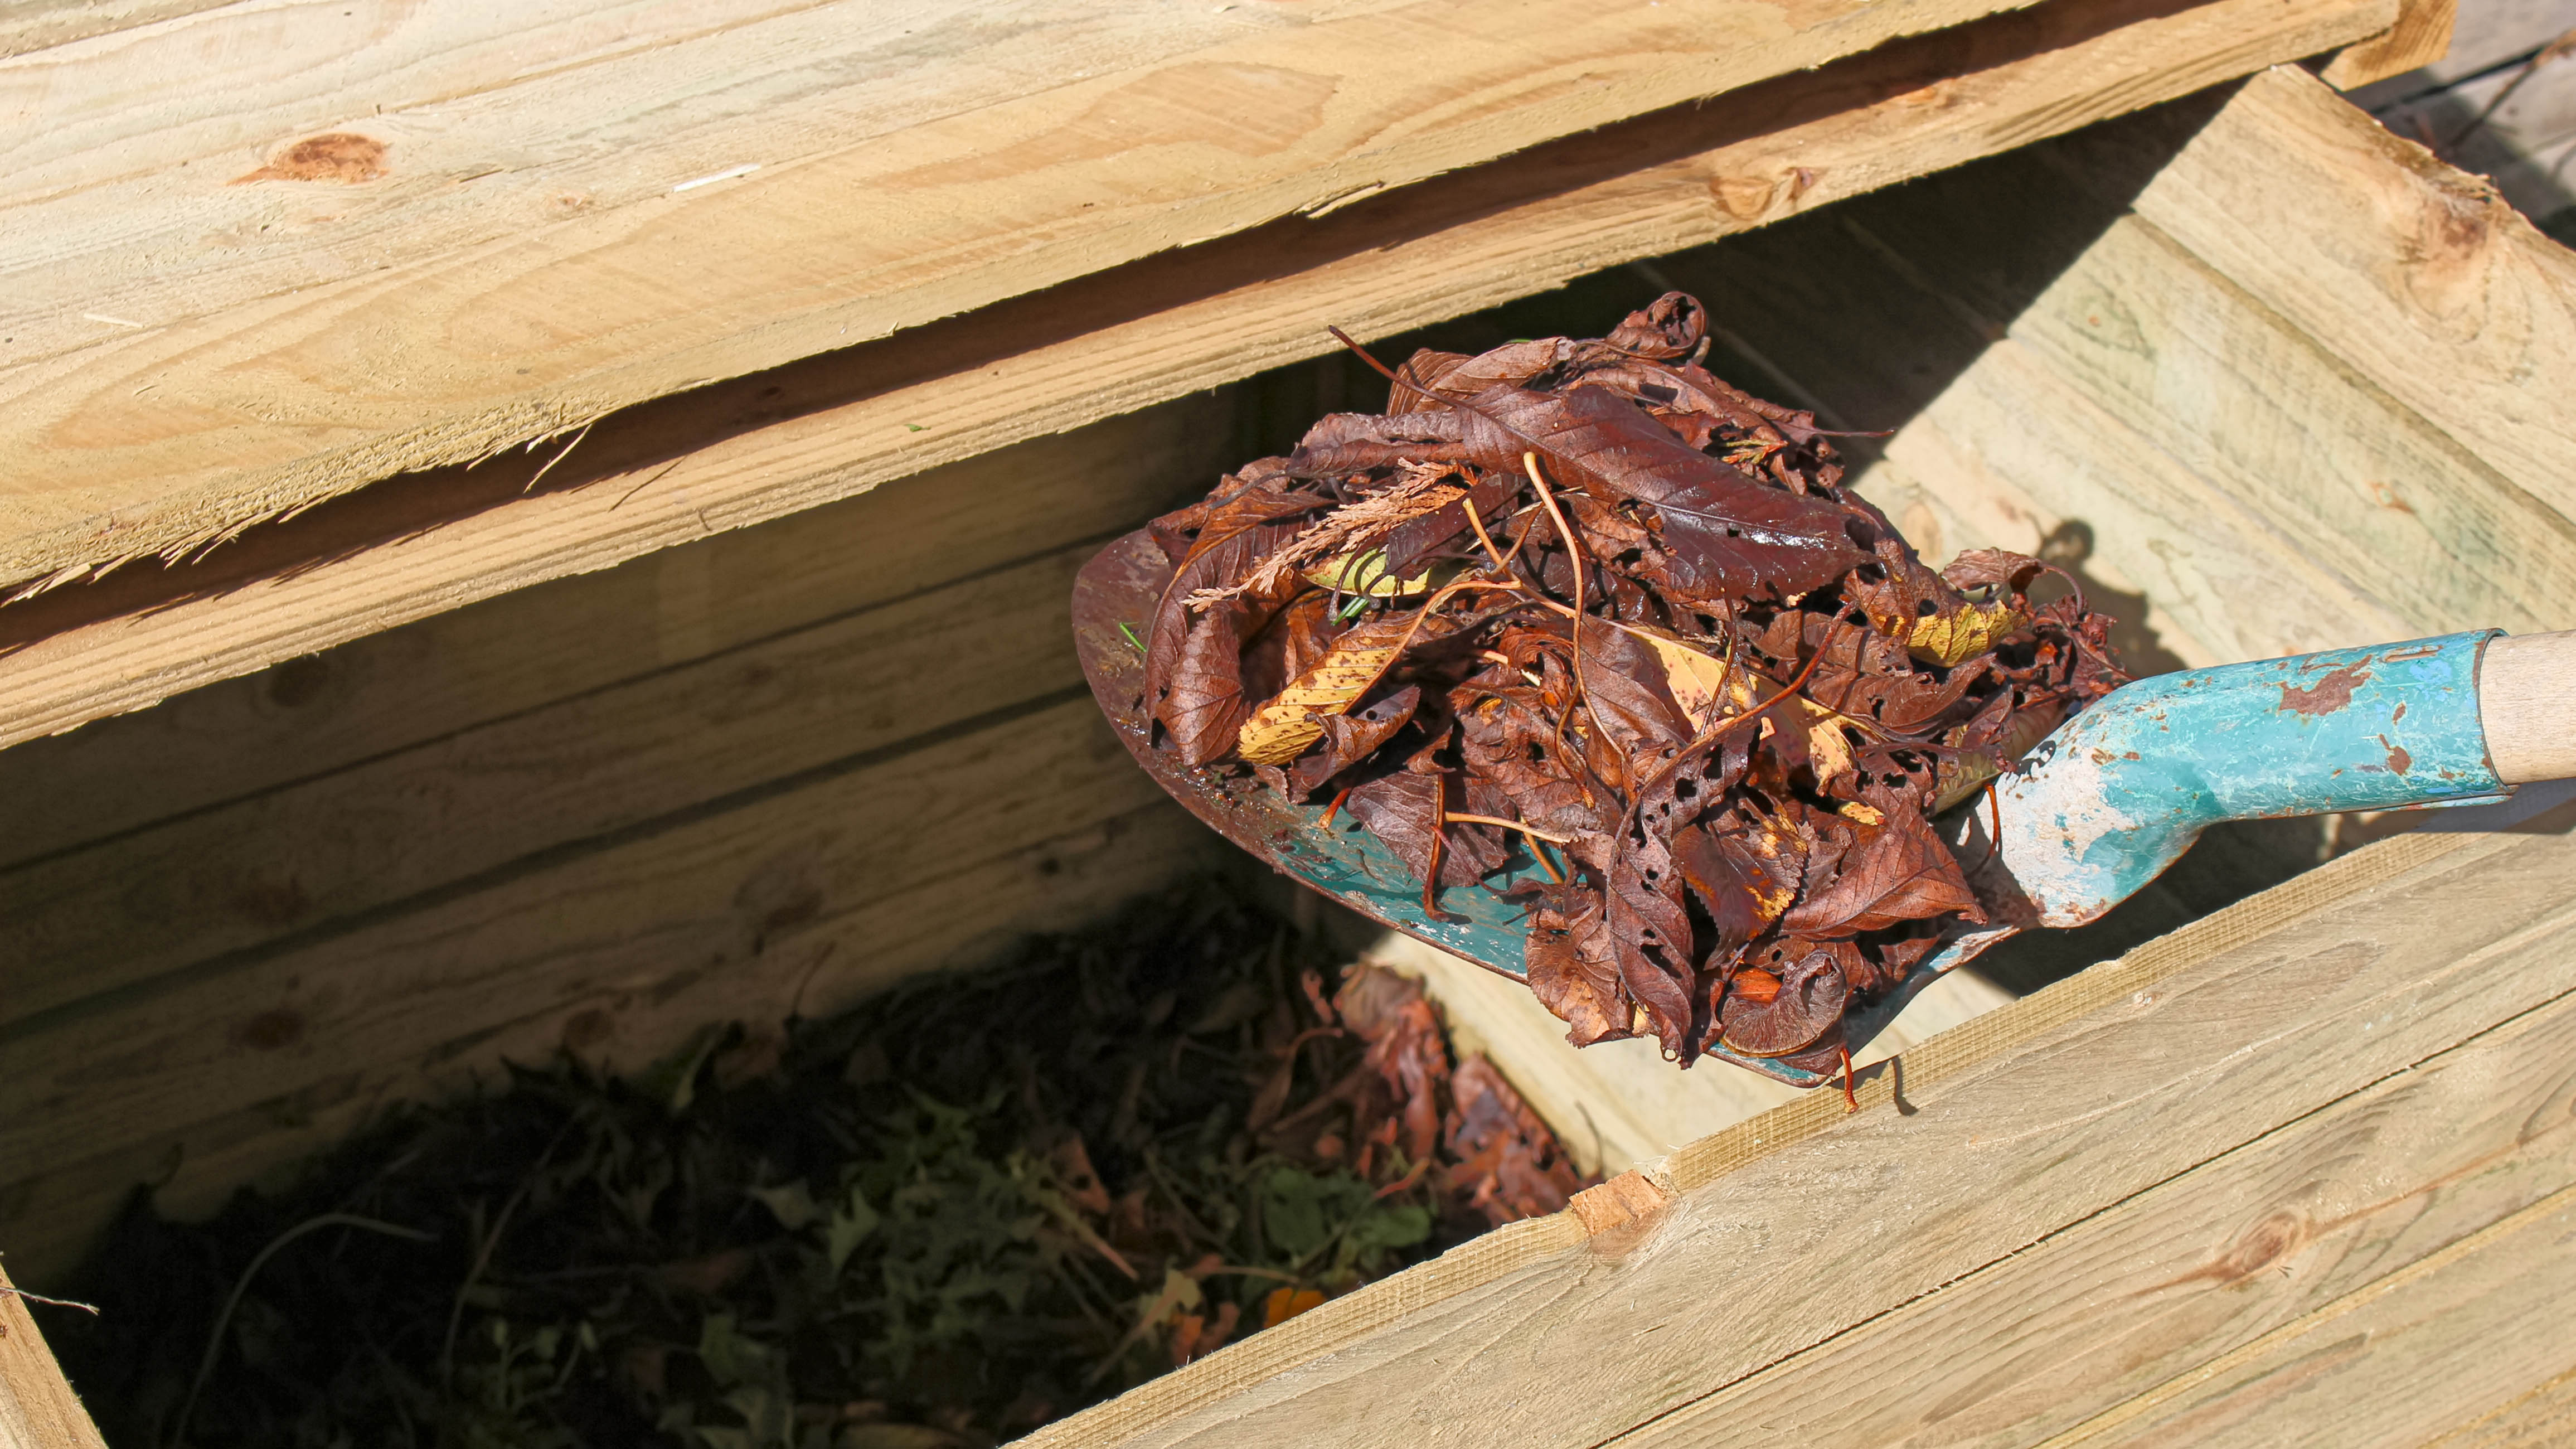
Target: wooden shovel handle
[[2527, 704]]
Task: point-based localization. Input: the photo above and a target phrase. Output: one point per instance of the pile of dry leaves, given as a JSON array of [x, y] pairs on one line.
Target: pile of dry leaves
[[1581, 597]]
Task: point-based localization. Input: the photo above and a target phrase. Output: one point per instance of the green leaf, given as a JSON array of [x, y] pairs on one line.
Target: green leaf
[[730, 1357], [790, 1203], [851, 1224], [1392, 1226]]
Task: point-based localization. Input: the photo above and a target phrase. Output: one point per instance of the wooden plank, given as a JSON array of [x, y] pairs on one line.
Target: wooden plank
[[2401, 511], [2416, 276], [1424, 253], [2012, 432], [2390, 1363], [632, 914], [2421, 36], [2534, 1420], [2484, 34], [618, 959], [452, 672], [37, 1409], [2021, 1122], [39, 24], [1900, 310], [2226, 1256], [984, 152], [290, 861]]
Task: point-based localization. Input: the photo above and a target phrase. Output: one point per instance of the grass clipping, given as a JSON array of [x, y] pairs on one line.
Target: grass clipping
[[941, 1220]]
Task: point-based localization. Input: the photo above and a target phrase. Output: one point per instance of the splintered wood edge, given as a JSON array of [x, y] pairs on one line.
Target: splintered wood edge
[[37, 1408], [2421, 36], [1956, 1053]]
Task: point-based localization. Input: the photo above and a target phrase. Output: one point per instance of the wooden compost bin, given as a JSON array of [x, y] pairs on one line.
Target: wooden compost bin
[[459, 751]]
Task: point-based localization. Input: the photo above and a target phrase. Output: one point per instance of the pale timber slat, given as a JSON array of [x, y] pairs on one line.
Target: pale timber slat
[[454, 671], [37, 1409], [2415, 275], [2540, 1419], [962, 179], [2363, 484], [2389, 1364], [2217, 1259], [2022, 1121], [1881, 122], [221, 880], [2421, 36], [625, 918], [956, 920]]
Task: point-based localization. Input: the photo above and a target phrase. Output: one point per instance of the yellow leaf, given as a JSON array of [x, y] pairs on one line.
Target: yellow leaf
[[1865, 814], [1365, 572], [1828, 750], [1702, 684], [1285, 726], [1948, 638]]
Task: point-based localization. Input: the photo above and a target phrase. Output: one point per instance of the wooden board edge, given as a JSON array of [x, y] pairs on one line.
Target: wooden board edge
[[1311, 1335], [2253, 1351], [1974, 1043], [1536, 106], [1346, 1322], [90, 669], [2421, 36], [38, 1409]]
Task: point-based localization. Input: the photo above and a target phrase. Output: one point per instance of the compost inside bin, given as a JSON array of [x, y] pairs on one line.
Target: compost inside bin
[[1579, 597], [940, 1220]]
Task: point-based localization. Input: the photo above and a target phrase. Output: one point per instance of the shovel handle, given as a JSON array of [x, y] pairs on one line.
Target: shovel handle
[[2527, 705], [2120, 791]]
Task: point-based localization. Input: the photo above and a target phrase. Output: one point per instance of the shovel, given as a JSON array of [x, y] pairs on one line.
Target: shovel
[[2097, 810]]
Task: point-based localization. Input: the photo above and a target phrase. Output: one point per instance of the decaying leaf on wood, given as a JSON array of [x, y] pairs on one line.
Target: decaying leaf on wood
[[1578, 598]]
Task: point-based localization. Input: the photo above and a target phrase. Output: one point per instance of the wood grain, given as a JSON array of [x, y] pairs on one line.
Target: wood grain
[[37, 1409], [2527, 706], [2389, 1363], [222, 880], [2421, 36], [451, 672], [2025, 1120], [912, 164], [2416, 276], [715, 884], [2534, 1420], [2360, 482], [1421, 254], [2221, 1258]]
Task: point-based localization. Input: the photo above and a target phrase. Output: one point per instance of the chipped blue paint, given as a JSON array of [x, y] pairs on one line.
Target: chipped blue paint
[[2120, 791]]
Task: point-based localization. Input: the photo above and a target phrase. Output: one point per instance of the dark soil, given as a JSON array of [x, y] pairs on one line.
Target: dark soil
[[964, 1209]]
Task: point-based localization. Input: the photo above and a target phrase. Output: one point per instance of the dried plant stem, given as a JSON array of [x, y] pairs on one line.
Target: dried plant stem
[[241, 1285]]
